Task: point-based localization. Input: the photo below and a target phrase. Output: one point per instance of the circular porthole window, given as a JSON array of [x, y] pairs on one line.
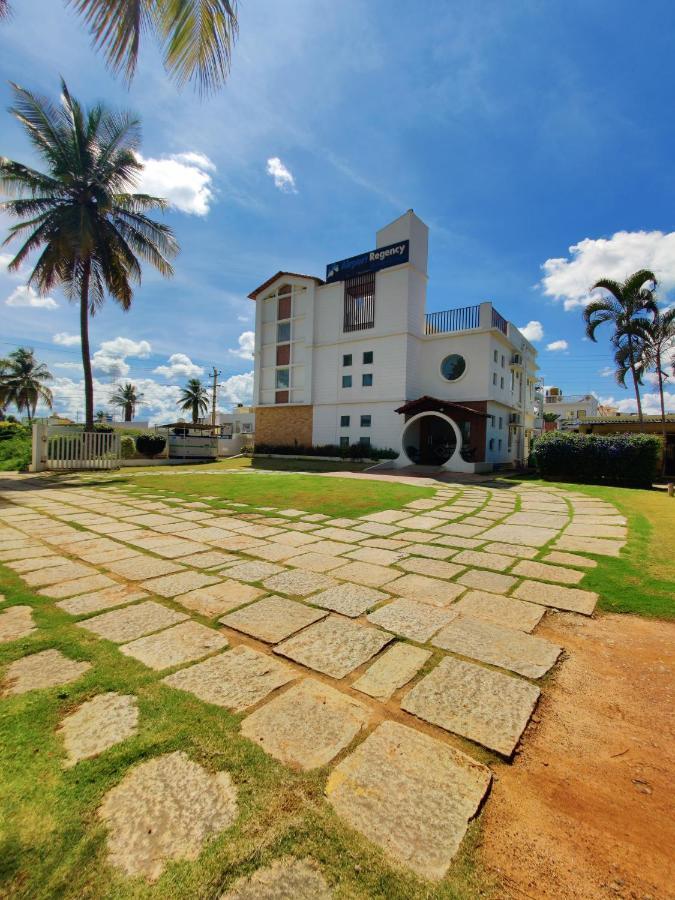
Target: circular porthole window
[[453, 367]]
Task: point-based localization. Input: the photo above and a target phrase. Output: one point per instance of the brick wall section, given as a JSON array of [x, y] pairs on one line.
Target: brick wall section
[[286, 425]]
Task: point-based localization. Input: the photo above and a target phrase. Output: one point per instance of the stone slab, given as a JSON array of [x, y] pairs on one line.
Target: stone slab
[[180, 583], [396, 667], [480, 704], [108, 598], [308, 725], [16, 622], [569, 559], [273, 619], [78, 586], [430, 551], [495, 562], [411, 619], [237, 679], [284, 879], [557, 596], [496, 645], [211, 559], [506, 611], [545, 572], [131, 622], [597, 546], [556, 520], [97, 725], [519, 551], [349, 599], [482, 580], [521, 534], [434, 568], [41, 670], [315, 562], [165, 809], [219, 598], [376, 556], [141, 567], [427, 590], [409, 794], [254, 571], [174, 646], [298, 583], [365, 573], [55, 574], [335, 646]]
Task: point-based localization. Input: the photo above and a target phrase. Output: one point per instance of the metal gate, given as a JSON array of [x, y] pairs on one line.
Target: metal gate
[[62, 448]]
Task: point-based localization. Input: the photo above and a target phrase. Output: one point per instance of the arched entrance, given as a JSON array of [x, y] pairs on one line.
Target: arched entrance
[[432, 438]]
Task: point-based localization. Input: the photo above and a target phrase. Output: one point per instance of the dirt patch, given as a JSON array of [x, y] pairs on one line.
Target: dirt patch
[[584, 811]]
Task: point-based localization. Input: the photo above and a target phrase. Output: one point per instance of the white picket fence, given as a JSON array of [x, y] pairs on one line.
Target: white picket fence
[[59, 448]]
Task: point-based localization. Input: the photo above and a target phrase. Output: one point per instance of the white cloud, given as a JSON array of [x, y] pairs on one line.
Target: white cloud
[[246, 345], [67, 365], [557, 345], [243, 318], [183, 179], [24, 295], [533, 331], [283, 178], [159, 402], [607, 372], [237, 389], [5, 260], [65, 339], [651, 403], [179, 365], [570, 279], [110, 358]]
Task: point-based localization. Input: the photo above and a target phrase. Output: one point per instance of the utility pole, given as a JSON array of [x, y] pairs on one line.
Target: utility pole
[[214, 375]]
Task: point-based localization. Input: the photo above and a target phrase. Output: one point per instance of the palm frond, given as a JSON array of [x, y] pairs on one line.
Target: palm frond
[[116, 27]]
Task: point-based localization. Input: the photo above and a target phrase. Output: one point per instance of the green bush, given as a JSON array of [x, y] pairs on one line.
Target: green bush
[[13, 429], [150, 444], [630, 459], [15, 447], [127, 446], [353, 451]]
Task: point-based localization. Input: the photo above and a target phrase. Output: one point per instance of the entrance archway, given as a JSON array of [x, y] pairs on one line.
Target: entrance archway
[[432, 438]]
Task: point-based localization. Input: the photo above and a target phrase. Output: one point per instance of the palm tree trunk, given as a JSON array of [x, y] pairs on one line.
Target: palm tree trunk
[[635, 380], [195, 413], [663, 411], [86, 357]]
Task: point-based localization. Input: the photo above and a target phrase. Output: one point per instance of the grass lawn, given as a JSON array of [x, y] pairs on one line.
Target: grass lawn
[[312, 493], [642, 579], [52, 845]]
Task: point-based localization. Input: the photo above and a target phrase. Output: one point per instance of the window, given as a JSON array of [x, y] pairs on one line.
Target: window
[[453, 367], [495, 355], [581, 414], [359, 303], [366, 421], [367, 379], [283, 378], [368, 358], [344, 441], [281, 397], [365, 441], [501, 423], [500, 443], [284, 302], [502, 360], [494, 378], [492, 443], [344, 421], [492, 421], [346, 381], [501, 382], [283, 332], [283, 354], [346, 359], [513, 382]]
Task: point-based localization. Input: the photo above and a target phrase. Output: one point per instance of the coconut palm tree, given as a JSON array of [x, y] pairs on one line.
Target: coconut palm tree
[[196, 36], [91, 230], [126, 398], [194, 398], [622, 304], [22, 382]]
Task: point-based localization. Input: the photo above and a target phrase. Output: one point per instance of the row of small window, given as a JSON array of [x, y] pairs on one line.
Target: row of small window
[[367, 358], [366, 421], [494, 380], [344, 441], [492, 444], [501, 422], [496, 357], [366, 380]]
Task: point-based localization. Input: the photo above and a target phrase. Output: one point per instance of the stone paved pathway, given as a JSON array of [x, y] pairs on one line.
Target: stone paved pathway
[[316, 629]]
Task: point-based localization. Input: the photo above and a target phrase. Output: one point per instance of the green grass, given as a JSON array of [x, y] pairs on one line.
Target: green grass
[[312, 493], [642, 580], [52, 844]]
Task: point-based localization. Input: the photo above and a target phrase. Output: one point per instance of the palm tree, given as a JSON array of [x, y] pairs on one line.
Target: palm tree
[[622, 304], [195, 398], [91, 231], [22, 382], [126, 398], [196, 36]]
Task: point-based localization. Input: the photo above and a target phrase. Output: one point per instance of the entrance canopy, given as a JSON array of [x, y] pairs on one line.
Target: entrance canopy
[[431, 404]]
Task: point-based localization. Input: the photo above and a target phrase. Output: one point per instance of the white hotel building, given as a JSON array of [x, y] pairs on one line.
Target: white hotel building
[[356, 358]]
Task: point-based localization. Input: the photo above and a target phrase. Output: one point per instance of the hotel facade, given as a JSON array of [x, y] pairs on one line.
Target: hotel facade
[[355, 358]]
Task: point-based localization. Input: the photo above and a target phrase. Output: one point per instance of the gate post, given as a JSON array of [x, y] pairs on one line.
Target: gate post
[[39, 449]]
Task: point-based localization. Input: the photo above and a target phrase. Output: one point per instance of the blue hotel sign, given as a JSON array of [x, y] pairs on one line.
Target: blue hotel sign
[[382, 258]]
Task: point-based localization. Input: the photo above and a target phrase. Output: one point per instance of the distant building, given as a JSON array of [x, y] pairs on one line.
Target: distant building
[[356, 358], [571, 409], [235, 430], [629, 423]]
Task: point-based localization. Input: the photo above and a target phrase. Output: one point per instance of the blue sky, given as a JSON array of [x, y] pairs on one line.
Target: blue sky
[[535, 139]]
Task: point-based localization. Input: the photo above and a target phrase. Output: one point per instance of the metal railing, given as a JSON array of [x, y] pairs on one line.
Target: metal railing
[[499, 321], [463, 318]]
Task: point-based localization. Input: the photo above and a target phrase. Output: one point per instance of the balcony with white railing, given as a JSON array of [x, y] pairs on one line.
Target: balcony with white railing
[[465, 318]]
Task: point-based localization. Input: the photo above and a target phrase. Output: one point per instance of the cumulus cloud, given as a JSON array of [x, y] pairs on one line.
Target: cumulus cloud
[[159, 402], [569, 278], [65, 339], [184, 179], [179, 365], [5, 260], [533, 331], [237, 389], [246, 344], [110, 358], [557, 346], [283, 178], [67, 365], [24, 295], [651, 403]]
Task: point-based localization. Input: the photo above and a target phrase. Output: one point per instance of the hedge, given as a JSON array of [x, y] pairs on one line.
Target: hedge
[[630, 459], [354, 451], [150, 444], [127, 446]]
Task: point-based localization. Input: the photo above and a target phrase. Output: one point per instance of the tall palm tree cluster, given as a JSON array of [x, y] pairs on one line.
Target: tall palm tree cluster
[[23, 382], [643, 335]]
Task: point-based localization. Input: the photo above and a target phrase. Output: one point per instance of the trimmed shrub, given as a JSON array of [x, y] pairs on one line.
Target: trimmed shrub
[[630, 459], [127, 446], [12, 429], [150, 444], [102, 428], [354, 451]]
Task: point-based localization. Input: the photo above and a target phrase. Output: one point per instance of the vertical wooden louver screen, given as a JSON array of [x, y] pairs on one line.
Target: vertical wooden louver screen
[[360, 302]]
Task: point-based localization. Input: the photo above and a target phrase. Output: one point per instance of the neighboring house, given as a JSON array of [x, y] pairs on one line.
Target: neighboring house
[[570, 409], [629, 423], [235, 430], [356, 358]]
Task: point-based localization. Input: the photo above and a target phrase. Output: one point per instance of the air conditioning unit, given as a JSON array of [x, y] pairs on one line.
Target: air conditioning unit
[[517, 359]]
